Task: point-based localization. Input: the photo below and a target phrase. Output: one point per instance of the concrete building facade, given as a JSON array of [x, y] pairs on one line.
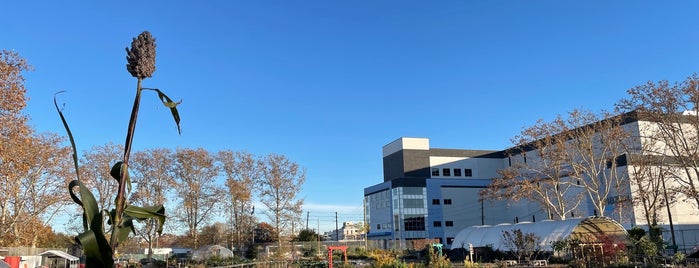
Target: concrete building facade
[[431, 193]]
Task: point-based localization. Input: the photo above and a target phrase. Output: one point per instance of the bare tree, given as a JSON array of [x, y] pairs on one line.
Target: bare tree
[[242, 171], [95, 166], [596, 149], [281, 182], [153, 174], [646, 173], [561, 163], [542, 172], [521, 244], [674, 109], [199, 194]]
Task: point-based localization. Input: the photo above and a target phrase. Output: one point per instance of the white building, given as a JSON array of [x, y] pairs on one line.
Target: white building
[[431, 193], [349, 231]]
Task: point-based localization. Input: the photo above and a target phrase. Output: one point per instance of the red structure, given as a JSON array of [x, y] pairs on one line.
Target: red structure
[[330, 254]]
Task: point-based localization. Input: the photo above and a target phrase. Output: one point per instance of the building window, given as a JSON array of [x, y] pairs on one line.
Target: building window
[[435, 172], [414, 223], [413, 203], [446, 172], [378, 227], [413, 190], [468, 172], [435, 201], [437, 223], [450, 240], [447, 201], [449, 223], [457, 172]]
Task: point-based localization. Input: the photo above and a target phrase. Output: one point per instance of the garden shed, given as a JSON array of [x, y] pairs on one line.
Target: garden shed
[[591, 230], [57, 258]]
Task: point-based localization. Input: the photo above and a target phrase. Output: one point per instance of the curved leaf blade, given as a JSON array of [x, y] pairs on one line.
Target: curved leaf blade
[[151, 212]]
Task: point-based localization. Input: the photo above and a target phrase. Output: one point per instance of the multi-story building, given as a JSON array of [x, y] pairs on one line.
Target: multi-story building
[[430, 193]]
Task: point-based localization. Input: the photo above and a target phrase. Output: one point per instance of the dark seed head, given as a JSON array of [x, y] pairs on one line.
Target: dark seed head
[[141, 56]]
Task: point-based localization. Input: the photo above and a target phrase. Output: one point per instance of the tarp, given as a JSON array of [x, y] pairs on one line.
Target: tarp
[[591, 230]]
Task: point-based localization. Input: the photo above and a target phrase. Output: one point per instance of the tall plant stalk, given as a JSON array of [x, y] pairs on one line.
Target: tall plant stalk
[[99, 251], [121, 192]]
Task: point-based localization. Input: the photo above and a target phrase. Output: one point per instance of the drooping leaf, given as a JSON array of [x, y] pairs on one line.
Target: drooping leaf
[[170, 104], [70, 135], [150, 212], [97, 251]]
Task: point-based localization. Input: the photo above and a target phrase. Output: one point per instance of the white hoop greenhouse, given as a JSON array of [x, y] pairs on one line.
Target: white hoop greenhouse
[[588, 230]]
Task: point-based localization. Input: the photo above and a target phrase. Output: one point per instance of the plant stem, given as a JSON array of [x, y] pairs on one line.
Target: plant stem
[[121, 195]]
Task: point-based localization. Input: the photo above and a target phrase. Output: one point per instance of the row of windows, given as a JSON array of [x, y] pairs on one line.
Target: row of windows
[[436, 201], [381, 226], [414, 223], [446, 172], [446, 223]]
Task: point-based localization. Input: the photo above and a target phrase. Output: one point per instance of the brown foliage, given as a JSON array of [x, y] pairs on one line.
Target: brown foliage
[[13, 97], [242, 172], [559, 163], [675, 110], [281, 182], [153, 174], [31, 171], [199, 194]]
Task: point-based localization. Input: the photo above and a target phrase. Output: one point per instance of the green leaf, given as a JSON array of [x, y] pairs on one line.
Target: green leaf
[[170, 104], [116, 172], [97, 251], [125, 228], [91, 210], [151, 212]]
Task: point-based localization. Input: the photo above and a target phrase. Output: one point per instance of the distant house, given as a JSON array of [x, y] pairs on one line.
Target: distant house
[[349, 231]]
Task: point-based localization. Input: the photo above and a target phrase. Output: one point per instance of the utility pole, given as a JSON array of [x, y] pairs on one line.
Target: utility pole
[[337, 231], [482, 213], [318, 223], [365, 227], [307, 215]]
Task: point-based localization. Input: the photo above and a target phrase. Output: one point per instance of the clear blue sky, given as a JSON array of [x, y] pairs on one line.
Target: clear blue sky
[[328, 83]]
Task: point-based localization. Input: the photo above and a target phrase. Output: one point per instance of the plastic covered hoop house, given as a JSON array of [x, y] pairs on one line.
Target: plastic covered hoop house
[[589, 230]]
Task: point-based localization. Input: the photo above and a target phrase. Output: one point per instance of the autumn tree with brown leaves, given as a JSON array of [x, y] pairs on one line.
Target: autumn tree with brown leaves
[[561, 163], [543, 176], [213, 234], [153, 174], [596, 149], [241, 171], [200, 197], [647, 176], [95, 166], [674, 109], [280, 184], [31, 171]]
